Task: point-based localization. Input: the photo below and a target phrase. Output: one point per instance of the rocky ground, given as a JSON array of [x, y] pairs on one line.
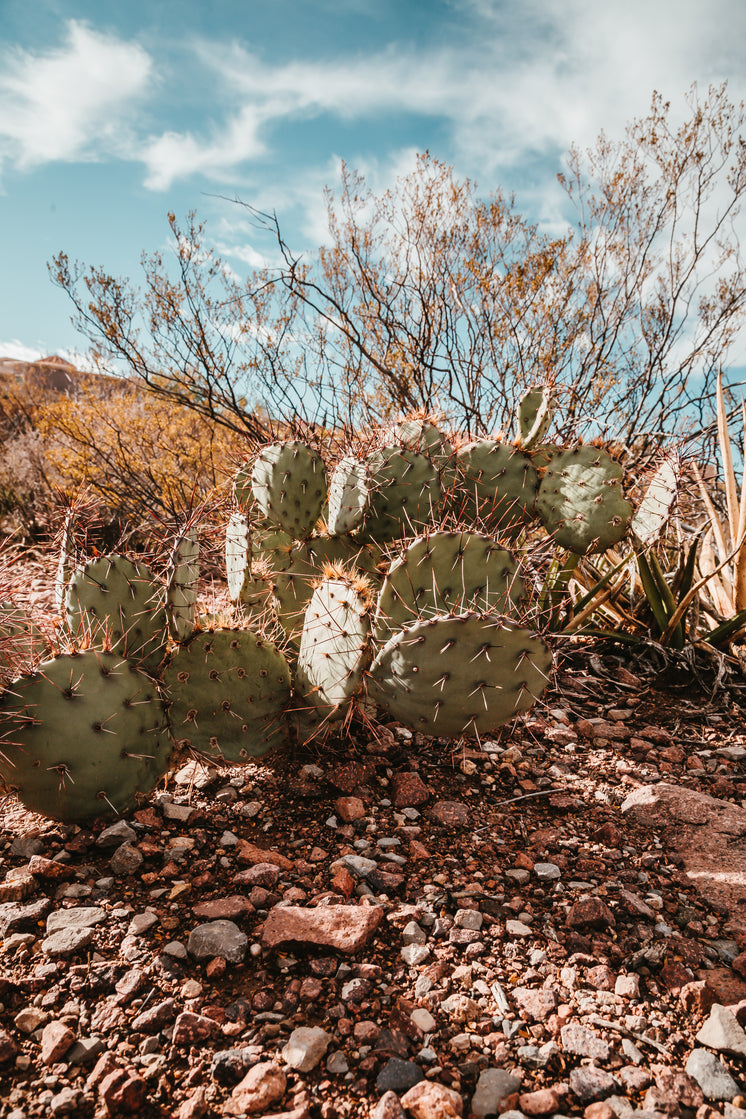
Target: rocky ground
[[553, 924]]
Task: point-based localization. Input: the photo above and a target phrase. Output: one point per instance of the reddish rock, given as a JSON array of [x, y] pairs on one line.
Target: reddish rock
[[544, 1101], [536, 1005], [265, 875], [152, 1020], [189, 1028], [428, 1100], [408, 790], [8, 1047], [56, 1039], [344, 927], [263, 1085], [129, 985], [450, 813], [249, 853], [123, 1092], [590, 913], [349, 809], [673, 976], [18, 886], [601, 978], [347, 777], [698, 997], [48, 868], [216, 967], [223, 908], [194, 1106], [418, 850], [673, 1085], [599, 1110], [342, 882]]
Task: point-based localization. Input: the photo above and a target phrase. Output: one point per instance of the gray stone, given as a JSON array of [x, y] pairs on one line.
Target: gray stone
[[398, 1076], [141, 922], [358, 864], [180, 812], [336, 1063], [415, 954], [494, 1085], [589, 1084], [116, 835], [65, 942], [83, 916], [126, 859], [547, 872], [721, 1031], [218, 938], [305, 1047], [711, 1075], [468, 919], [413, 934], [583, 1042], [460, 1008]]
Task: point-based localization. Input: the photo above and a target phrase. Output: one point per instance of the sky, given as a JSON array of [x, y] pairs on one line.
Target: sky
[[113, 114]]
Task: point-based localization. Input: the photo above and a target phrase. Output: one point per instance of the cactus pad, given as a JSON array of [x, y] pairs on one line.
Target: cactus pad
[[580, 501], [294, 587], [420, 434], [289, 484], [348, 496], [87, 733], [444, 573], [227, 691], [181, 585], [404, 493], [534, 417], [497, 486], [461, 675], [335, 646], [118, 604]]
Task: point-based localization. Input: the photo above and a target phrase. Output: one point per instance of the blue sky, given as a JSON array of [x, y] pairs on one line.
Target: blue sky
[[112, 114]]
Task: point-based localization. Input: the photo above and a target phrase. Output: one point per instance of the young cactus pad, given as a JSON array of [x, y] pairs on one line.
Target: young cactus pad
[[420, 434], [445, 573], [348, 496], [228, 690], [580, 501], [87, 732], [118, 603], [461, 675], [295, 585], [534, 416], [181, 585], [334, 646], [289, 484], [497, 486]]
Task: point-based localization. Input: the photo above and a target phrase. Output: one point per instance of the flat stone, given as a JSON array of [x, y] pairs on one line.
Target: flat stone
[[116, 835], [537, 1005], [141, 922], [65, 942], [408, 790], [346, 928], [218, 938], [590, 913], [711, 1075], [266, 875], [493, 1086], [589, 1084], [305, 1047], [223, 908], [721, 1031], [358, 864], [583, 1042], [83, 916], [249, 854], [547, 872], [56, 1039], [190, 1028], [398, 1076], [450, 814], [517, 928]]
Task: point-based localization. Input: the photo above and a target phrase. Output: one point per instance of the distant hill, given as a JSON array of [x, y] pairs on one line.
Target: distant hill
[[49, 374]]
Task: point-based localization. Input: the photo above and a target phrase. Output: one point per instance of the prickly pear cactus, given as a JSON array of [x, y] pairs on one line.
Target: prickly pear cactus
[[335, 644], [653, 511], [465, 674], [534, 417], [445, 573], [22, 643], [348, 496], [118, 603], [228, 690], [404, 493], [580, 501], [181, 585], [497, 487], [420, 434], [289, 484], [294, 587], [87, 733]]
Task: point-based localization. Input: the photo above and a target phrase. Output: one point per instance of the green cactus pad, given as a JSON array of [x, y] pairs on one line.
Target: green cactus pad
[[348, 496], [404, 493], [289, 484], [227, 691], [181, 585], [445, 573], [87, 732], [497, 486], [118, 604], [22, 643], [334, 647], [294, 587], [461, 675], [580, 501], [534, 417], [419, 434]]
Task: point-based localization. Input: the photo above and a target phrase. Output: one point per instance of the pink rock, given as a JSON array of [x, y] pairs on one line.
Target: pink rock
[[344, 927], [189, 1028], [194, 1106], [123, 1092], [544, 1101], [537, 1005], [56, 1039], [266, 875], [223, 908], [349, 808], [590, 913], [428, 1100], [450, 813], [8, 1047], [249, 854], [263, 1085]]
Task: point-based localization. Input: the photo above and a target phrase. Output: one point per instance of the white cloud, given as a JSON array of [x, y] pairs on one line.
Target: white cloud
[[69, 103], [19, 351]]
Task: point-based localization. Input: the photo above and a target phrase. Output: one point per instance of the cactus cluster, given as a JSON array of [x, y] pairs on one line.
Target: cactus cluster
[[390, 578]]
